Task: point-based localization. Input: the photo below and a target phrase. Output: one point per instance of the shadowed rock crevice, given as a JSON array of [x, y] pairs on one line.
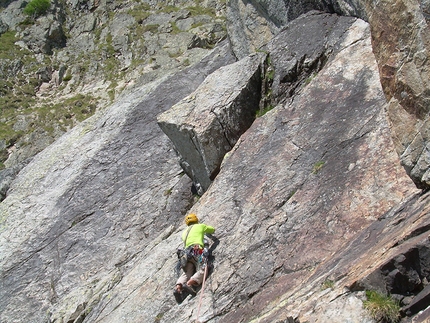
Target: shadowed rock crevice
[[296, 60], [405, 278]]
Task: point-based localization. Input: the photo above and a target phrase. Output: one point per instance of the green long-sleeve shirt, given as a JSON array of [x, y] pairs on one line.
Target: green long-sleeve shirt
[[196, 234]]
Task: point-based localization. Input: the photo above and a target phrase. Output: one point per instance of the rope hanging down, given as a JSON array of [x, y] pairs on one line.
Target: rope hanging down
[[201, 292]]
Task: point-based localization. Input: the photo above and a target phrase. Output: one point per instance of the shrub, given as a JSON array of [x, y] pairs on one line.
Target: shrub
[[37, 7], [382, 308]]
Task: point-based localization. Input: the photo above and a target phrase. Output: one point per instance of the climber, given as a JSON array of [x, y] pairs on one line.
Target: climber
[[193, 257]]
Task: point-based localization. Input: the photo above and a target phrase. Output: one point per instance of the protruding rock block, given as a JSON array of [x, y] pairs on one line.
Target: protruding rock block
[[205, 125]]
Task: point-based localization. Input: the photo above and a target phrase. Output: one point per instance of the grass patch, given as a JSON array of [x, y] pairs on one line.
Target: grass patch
[[37, 7], [175, 29], [328, 283], [186, 62], [169, 9], [10, 51], [158, 317], [141, 12], [309, 78], [382, 308], [151, 28], [263, 111], [318, 166], [198, 10], [8, 47], [176, 55]]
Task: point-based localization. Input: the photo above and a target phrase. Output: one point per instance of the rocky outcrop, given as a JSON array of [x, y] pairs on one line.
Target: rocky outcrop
[[61, 250], [90, 227], [93, 50], [292, 218], [206, 125], [44, 36], [295, 61], [311, 206], [252, 24], [400, 43]]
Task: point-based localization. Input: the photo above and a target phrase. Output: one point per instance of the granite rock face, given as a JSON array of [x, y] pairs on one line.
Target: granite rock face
[[311, 206], [400, 41], [85, 209], [401, 44], [207, 124], [251, 24], [290, 217]]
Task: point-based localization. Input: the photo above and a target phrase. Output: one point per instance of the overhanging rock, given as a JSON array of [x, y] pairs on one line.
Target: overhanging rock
[[205, 125]]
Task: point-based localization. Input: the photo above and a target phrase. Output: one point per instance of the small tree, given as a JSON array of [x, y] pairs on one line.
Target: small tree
[[37, 7]]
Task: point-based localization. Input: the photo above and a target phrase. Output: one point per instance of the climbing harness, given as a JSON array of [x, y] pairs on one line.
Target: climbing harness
[[184, 254]]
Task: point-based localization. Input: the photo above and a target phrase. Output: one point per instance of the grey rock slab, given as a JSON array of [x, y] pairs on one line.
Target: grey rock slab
[[86, 208]]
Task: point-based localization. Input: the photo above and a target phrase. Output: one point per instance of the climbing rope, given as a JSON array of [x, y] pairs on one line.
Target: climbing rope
[[201, 292]]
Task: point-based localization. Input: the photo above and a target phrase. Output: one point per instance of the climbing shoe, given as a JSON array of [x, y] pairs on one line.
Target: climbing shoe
[[179, 297], [189, 289]]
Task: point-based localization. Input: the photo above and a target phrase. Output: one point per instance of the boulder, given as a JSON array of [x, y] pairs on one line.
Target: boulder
[[205, 125]]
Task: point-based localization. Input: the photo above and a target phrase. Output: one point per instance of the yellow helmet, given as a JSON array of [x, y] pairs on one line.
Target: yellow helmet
[[191, 219]]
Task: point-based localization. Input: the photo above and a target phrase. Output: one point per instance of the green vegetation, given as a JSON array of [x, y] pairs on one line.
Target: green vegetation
[[381, 307], [158, 317], [198, 10], [37, 7], [186, 62], [328, 283], [175, 28], [169, 9], [140, 12], [65, 115], [152, 28], [310, 78], [291, 194], [7, 48], [267, 76], [318, 166], [176, 55], [263, 111]]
